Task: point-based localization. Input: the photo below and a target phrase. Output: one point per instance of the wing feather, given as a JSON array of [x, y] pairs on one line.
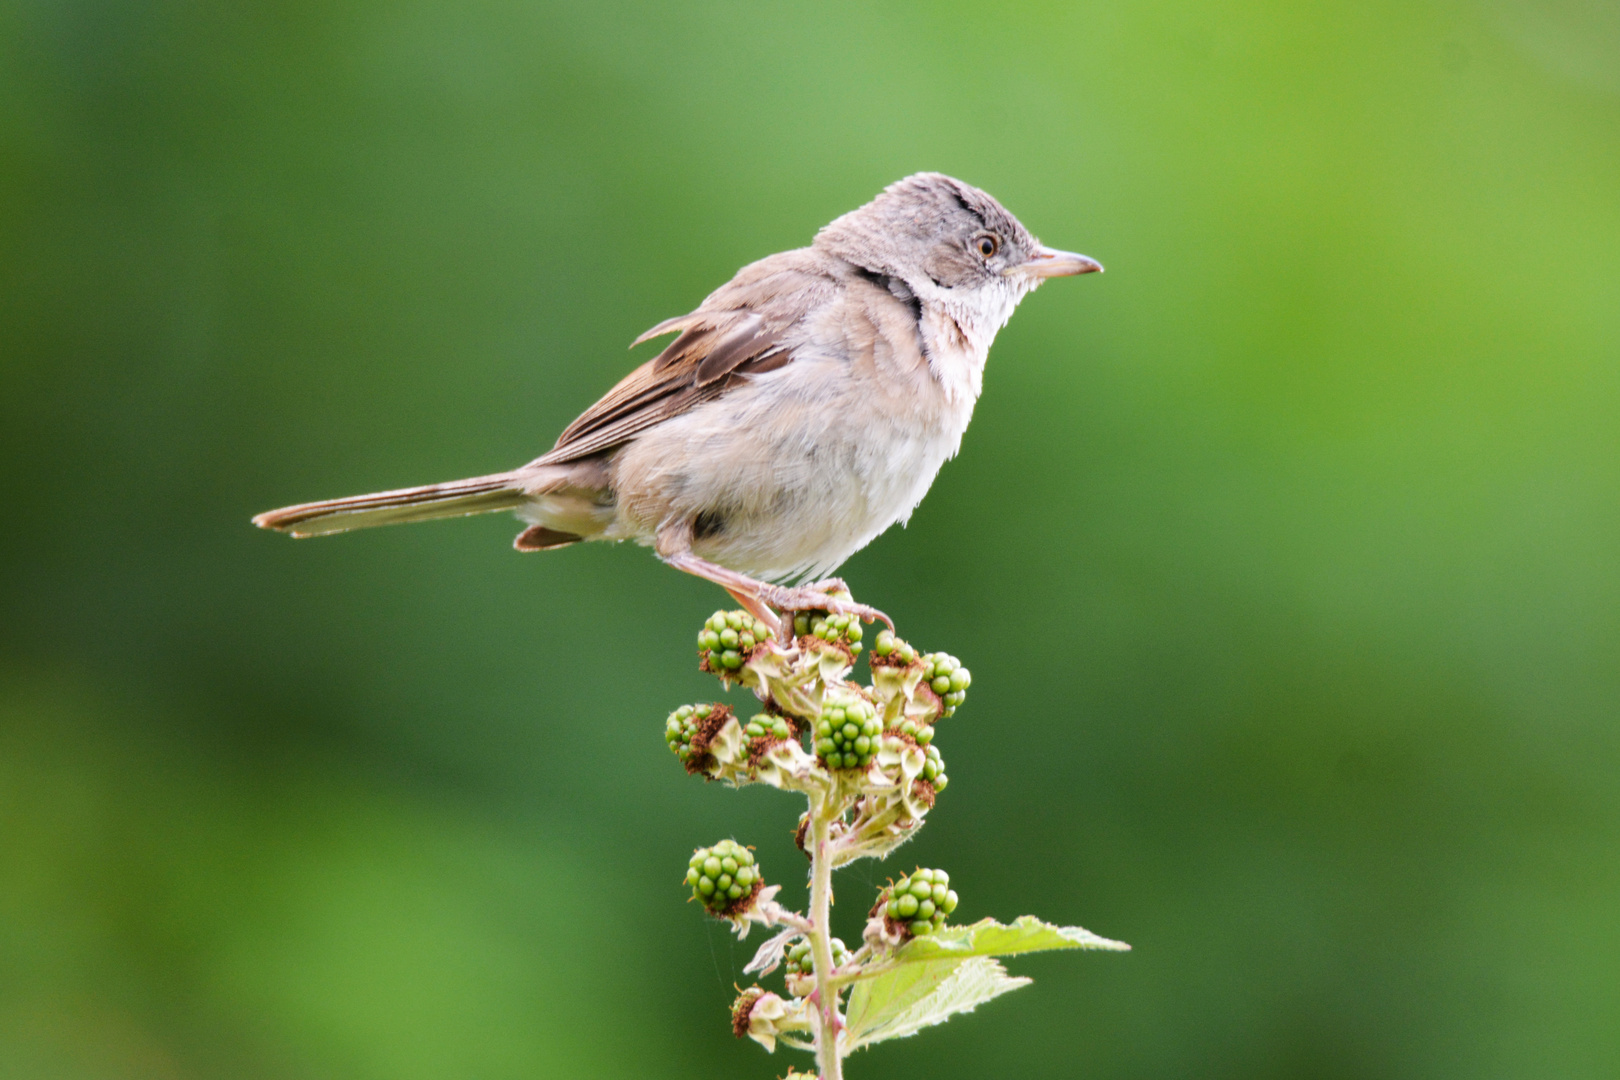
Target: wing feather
[[714, 348]]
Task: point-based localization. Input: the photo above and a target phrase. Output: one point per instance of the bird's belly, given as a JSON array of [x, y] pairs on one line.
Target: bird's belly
[[810, 515], [779, 487]]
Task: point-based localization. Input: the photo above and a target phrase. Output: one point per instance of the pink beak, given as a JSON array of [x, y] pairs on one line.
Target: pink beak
[[1049, 262]]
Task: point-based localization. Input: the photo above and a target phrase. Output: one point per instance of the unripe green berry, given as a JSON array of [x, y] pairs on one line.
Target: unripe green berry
[[946, 677], [724, 877], [766, 726], [842, 630], [727, 638], [690, 729], [800, 958], [933, 765], [920, 902], [846, 734]]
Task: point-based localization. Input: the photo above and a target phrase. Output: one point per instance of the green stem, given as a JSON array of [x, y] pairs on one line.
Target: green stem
[[830, 1061]]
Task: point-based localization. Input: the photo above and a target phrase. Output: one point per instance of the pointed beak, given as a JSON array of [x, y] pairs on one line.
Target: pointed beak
[[1049, 262]]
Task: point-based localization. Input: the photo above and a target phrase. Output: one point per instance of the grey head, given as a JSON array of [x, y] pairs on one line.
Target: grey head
[[949, 242]]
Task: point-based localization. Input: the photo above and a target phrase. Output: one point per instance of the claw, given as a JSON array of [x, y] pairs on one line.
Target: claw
[[811, 598]]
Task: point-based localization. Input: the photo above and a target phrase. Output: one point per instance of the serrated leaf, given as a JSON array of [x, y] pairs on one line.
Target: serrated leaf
[[990, 938], [906, 999]]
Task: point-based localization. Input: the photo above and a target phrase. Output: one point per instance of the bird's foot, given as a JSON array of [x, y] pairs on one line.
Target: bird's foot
[[813, 598]]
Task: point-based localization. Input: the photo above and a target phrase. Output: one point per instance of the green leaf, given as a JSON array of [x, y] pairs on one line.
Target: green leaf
[[908, 998], [990, 938]]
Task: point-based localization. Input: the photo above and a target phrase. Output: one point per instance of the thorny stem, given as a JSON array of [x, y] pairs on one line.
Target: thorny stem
[[828, 1057]]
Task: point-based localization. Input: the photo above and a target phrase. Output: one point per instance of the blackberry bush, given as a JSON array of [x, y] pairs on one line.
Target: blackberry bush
[[870, 771]]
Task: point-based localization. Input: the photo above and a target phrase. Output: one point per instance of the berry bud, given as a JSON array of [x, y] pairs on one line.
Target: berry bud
[[724, 878], [918, 904], [766, 1017], [743, 1007], [847, 733], [727, 639], [689, 731]]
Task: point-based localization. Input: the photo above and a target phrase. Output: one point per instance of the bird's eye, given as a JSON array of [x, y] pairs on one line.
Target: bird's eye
[[988, 246]]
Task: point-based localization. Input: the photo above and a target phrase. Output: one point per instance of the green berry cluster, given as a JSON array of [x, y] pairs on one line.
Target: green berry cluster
[[799, 959], [767, 726], [836, 629], [723, 877], [727, 638], [946, 677], [892, 650], [847, 734], [921, 901], [689, 730]]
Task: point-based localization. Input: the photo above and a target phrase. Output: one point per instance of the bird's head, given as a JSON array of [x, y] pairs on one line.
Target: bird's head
[[949, 242]]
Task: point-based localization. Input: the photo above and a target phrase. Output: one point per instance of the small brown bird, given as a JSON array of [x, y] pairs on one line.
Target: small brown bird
[[805, 407]]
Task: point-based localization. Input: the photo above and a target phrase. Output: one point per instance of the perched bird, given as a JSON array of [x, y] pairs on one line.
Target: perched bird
[[805, 407]]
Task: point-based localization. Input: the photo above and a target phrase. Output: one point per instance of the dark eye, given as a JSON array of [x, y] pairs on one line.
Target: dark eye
[[988, 246]]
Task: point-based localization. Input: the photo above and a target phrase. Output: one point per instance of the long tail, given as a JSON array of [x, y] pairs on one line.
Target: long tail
[[476, 495]]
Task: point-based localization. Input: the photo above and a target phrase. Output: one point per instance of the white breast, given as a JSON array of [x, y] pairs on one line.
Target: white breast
[[802, 467]]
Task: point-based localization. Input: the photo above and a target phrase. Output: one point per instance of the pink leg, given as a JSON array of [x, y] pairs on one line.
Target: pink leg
[[757, 597]]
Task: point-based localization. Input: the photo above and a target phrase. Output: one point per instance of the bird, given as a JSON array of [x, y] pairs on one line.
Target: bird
[[802, 409]]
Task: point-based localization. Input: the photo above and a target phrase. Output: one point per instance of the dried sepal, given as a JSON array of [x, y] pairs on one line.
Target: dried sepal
[[766, 1017]]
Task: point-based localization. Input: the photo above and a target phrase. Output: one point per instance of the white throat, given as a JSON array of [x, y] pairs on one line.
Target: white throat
[[959, 326]]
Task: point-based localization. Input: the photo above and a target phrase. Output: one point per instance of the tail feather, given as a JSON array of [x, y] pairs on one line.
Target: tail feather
[[477, 495]]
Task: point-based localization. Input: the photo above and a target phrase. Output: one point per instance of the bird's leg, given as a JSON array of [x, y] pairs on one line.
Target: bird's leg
[[811, 598], [674, 547]]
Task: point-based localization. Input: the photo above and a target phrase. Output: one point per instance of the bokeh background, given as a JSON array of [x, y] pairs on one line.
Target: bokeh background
[[1286, 555]]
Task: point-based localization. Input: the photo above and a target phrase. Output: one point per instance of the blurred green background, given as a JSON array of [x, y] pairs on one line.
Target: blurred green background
[[1286, 555]]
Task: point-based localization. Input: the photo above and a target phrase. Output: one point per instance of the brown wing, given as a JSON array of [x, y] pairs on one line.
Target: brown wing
[[714, 348]]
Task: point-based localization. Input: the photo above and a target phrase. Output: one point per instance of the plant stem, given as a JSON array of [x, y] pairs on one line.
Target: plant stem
[[830, 1061]]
